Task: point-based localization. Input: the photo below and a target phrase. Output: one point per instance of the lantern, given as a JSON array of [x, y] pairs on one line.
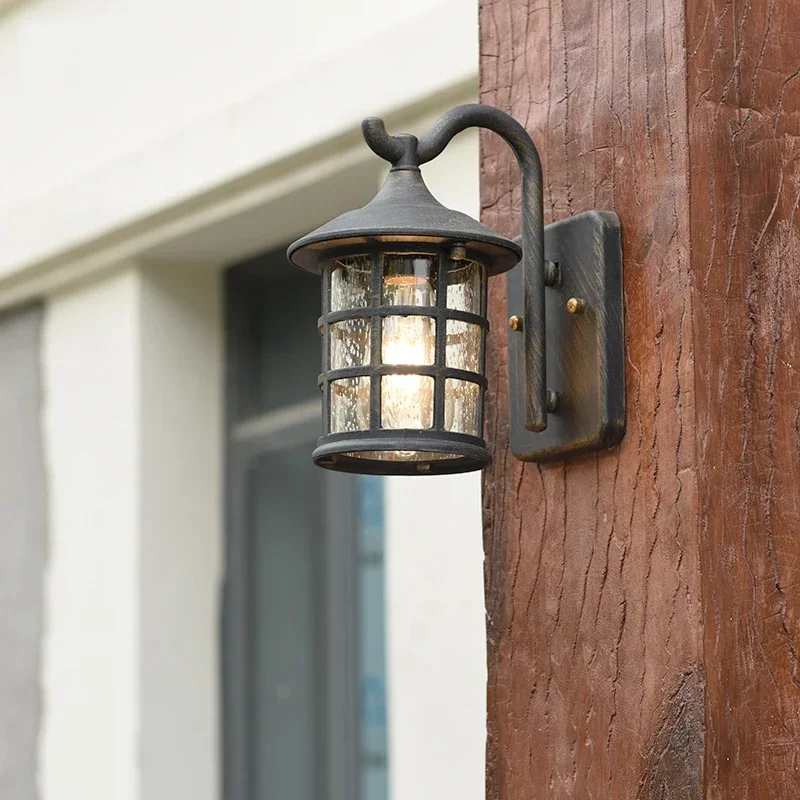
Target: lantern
[[403, 331], [404, 319]]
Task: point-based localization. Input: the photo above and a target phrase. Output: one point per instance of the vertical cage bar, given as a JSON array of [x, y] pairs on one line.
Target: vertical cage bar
[[376, 355], [327, 272], [484, 333], [441, 339]]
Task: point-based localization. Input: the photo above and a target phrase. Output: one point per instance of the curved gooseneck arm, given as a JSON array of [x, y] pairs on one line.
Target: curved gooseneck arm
[[405, 152]]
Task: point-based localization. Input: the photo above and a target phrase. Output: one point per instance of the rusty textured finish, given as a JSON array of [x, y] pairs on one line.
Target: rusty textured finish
[[744, 129], [592, 572], [585, 353]]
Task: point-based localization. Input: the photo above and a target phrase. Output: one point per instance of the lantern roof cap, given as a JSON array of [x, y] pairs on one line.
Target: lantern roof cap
[[404, 211]]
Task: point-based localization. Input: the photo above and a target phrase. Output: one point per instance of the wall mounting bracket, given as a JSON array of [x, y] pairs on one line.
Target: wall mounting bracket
[[585, 344]]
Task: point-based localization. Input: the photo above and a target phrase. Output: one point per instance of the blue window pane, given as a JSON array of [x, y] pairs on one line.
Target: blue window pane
[[372, 639]]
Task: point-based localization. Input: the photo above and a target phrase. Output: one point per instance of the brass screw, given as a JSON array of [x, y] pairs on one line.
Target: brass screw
[[423, 467], [576, 305], [515, 323]]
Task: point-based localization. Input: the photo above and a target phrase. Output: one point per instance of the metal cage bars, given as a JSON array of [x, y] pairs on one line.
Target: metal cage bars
[[437, 435]]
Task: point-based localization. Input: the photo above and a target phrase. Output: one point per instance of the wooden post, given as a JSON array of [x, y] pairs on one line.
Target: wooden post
[[643, 605]]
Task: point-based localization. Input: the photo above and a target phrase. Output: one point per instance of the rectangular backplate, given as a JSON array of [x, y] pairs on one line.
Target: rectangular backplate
[[585, 351]]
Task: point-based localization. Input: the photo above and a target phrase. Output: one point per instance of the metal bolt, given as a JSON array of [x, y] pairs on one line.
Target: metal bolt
[[423, 467], [552, 401], [552, 273], [515, 323], [458, 252], [576, 305]]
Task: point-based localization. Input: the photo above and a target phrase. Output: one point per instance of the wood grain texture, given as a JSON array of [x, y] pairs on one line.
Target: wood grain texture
[[592, 571], [643, 605], [744, 130]]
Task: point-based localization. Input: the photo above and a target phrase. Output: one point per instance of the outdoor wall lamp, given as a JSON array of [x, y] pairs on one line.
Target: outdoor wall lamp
[[404, 319]]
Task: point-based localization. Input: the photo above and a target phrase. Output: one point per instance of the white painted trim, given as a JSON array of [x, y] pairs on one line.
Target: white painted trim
[[133, 446], [131, 242], [90, 686], [181, 532], [71, 262]]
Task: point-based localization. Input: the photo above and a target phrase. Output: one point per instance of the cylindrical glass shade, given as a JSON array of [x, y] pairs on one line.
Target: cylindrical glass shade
[[403, 351]]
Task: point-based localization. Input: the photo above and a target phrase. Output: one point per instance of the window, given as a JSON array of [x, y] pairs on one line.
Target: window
[[304, 652]]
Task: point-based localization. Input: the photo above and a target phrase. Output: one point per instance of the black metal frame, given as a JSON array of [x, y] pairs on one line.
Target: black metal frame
[[586, 364], [405, 212], [469, 452]]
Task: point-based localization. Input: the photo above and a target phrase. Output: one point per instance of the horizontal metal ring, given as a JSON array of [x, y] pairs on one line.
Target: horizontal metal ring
[[428, 370], [402, 311], [339, 451]]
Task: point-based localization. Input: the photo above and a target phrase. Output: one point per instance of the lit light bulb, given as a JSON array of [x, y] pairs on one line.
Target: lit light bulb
[[408, 340], [407, 400]]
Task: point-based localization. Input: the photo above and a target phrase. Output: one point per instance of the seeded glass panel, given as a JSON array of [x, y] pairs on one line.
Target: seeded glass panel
[[409, 280], [350, 282], [407, 401], [462, 407], [465, 286], [463, 350], [349, 405], [408, 340], [350, 343]]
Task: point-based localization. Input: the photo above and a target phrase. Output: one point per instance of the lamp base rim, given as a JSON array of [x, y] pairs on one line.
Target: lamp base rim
[[451, 453]]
